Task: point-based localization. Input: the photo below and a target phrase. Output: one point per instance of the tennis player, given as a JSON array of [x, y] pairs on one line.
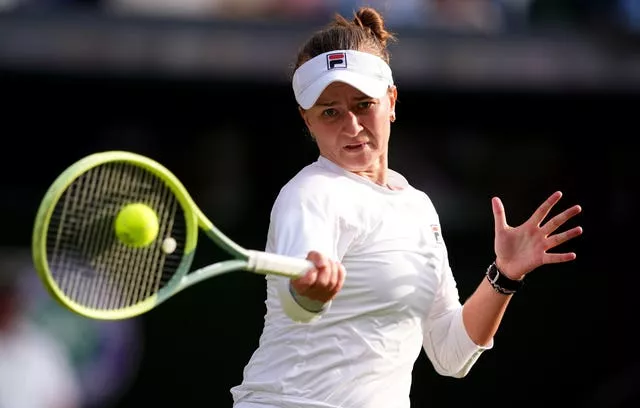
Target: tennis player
[[347, 334]]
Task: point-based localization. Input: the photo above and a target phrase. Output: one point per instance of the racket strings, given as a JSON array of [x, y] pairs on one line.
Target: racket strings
[[89, 264]]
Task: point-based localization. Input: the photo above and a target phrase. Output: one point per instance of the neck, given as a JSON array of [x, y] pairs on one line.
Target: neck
[[377, 173]]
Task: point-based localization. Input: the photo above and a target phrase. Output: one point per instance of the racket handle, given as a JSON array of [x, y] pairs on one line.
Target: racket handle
[[266, 263]]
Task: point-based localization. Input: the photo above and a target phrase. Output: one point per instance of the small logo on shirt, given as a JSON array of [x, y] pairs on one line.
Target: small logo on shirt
[[435, 229], [336, 60]]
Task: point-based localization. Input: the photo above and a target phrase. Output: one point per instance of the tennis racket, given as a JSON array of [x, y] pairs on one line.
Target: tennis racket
[[91, 272]]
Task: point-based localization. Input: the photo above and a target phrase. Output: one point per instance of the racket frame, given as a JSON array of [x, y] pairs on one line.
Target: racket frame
[[243, 259]]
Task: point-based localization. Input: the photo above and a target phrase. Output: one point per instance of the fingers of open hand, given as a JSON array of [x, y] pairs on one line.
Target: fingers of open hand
[[562, 237], [557, 221], [541, 213], [558, 258], [524, 248], [552, 241]]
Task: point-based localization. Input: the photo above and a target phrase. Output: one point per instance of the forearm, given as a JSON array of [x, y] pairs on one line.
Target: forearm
[[483, 312]]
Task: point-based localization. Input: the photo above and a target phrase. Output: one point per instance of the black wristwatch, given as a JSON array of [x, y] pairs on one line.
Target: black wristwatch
[[501, 283]]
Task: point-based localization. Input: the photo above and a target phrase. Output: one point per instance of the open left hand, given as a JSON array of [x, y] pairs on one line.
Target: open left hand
[[520, 250]]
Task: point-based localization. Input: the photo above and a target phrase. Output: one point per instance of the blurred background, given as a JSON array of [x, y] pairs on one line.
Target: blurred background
[[515, 98]]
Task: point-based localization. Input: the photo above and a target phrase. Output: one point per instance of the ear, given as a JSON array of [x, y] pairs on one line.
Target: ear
[[393, 97]]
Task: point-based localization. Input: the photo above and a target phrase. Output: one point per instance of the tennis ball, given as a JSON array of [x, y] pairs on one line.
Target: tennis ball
[[137, 225], [169, 245]]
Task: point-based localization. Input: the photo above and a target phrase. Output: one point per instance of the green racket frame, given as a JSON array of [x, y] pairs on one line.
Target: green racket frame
[[242, 259]]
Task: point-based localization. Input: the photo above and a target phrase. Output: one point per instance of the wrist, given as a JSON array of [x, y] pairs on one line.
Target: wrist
[[508, 272], [502, 283], [310, 305]]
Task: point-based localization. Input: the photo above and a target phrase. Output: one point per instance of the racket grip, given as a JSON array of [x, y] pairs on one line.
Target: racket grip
[[267, 263]]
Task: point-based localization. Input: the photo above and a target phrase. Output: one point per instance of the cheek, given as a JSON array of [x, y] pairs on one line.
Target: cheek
[[381, 125], [323, 133], [323, 124]]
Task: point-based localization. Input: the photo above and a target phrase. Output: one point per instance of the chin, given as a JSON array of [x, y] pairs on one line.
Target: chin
[[359, 164]]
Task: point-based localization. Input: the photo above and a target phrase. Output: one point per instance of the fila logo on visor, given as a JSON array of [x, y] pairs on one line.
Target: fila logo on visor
[[336, 60]]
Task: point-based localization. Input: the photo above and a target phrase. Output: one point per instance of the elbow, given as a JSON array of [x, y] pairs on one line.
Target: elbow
[[452, 352], [453, 372], [462, 367], [460, 373]]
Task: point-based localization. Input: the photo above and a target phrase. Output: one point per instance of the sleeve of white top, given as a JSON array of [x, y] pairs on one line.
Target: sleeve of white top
[[301, 223], [446, 341]]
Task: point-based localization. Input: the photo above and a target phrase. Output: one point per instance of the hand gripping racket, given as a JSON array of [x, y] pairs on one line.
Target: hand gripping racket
[[90, 271]]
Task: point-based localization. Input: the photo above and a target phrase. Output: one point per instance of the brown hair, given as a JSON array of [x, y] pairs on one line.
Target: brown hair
[[366, 32]]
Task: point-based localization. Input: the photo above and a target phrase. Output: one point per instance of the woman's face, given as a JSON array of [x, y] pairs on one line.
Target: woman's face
[[352, 129]]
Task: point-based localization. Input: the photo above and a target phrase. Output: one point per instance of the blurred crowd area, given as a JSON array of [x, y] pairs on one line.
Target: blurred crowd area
[[456, 15], [51, 358]]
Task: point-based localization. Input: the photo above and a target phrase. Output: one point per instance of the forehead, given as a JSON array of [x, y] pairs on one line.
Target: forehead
[[340, 90]]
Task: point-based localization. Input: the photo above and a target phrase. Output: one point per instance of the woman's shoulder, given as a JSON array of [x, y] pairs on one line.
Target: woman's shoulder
[[313, 180]]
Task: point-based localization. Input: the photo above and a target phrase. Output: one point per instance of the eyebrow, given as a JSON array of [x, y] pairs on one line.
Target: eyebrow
[[328, 103], [331, 103]]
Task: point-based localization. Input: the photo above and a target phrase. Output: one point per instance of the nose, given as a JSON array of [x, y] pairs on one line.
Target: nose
[[352, 124]]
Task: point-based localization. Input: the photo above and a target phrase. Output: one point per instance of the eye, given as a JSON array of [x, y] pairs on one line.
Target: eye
[[364, 105], [330, 113]]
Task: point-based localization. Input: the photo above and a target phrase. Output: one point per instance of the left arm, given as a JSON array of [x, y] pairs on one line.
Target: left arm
[[482, 313], [519, 251]]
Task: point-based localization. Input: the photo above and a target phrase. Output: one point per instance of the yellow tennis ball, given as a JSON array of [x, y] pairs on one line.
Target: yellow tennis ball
[[137, 225]]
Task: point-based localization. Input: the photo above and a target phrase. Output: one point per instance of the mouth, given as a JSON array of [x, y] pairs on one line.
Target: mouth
[[355, 147]]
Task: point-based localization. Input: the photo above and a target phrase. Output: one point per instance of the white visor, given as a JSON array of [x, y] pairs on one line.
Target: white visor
[[366, 72]]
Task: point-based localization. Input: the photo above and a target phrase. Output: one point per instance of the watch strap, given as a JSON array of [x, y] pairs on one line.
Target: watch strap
[[502, 283]]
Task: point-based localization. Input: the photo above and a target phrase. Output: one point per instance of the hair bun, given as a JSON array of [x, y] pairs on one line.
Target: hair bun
[[370, 19]]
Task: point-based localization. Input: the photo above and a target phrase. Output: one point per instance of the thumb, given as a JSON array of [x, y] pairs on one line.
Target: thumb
[[499, 217]]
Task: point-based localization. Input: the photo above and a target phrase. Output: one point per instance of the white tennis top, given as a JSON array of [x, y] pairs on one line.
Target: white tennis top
[[399, 297]]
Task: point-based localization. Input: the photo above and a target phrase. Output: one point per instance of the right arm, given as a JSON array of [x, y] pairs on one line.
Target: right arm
[[304, 226]]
